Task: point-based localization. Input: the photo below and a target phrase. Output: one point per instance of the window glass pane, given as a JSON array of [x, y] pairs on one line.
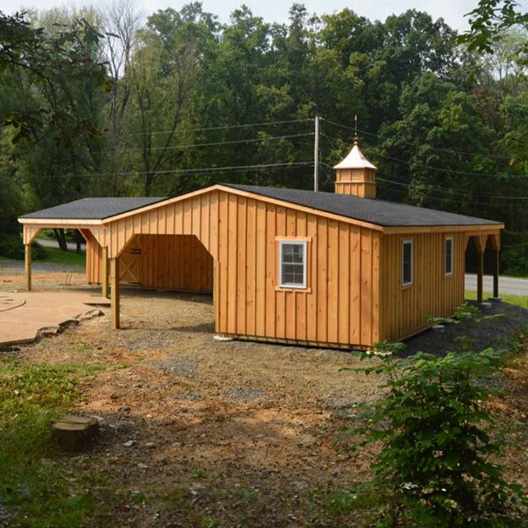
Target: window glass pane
[[292, 264], [292, 253], [449, 255], [407, 263]]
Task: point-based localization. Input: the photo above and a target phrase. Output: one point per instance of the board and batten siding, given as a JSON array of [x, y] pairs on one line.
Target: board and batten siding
[[340, 305], [406, 310], [175, 263], [94, 254], [171, 262]]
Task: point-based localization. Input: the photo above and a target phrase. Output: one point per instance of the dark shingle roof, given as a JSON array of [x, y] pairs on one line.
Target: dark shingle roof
[[93, 208], [379, 212]]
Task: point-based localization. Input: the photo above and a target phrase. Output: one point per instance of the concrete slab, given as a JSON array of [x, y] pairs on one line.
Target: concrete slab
[[26, 316]]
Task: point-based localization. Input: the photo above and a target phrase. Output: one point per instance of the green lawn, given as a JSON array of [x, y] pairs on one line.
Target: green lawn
[[519, 300], [36, 484], [58, 256]]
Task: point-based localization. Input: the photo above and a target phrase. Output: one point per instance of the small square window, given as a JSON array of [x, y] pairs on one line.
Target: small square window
[[448, 255], [407, 263], [292, 264]]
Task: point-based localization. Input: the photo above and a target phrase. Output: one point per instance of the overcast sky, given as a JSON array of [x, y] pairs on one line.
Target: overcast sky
[[452, 11]]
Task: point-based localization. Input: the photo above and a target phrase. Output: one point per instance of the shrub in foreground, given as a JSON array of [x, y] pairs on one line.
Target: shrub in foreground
[[438, 463], [11, 247]]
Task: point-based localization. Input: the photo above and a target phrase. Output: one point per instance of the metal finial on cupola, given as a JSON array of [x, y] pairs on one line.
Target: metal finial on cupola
[[355, 174]]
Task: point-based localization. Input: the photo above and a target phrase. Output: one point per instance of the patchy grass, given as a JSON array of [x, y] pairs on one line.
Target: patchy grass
[[518, 300], [36, 486]]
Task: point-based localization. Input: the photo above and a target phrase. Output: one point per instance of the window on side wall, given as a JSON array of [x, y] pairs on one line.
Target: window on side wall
[[407, 263], [292, 263], [448, 255]]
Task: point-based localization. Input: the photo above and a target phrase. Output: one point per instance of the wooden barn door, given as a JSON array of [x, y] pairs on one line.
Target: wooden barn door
[[131, 263]]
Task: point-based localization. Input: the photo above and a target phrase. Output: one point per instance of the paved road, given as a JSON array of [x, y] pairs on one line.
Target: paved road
[[9, 266], [509, 285], [48, 242]]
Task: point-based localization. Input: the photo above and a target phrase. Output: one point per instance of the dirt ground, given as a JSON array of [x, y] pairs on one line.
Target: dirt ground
[[201, 433], [198, 432]]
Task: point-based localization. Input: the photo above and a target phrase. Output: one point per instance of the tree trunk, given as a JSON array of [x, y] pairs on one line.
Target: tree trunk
[[78, 240], [60, 235]]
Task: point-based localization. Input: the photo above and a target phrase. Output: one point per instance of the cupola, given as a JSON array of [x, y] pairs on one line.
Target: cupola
[[356, 175]]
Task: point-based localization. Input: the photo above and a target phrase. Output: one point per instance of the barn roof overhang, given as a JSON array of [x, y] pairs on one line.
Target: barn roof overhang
[[328, 205]]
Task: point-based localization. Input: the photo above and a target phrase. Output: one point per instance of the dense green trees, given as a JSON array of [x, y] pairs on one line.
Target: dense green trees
[[105, 103]]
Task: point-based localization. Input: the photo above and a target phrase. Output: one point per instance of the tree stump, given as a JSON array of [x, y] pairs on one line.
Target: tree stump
[[75, 433]]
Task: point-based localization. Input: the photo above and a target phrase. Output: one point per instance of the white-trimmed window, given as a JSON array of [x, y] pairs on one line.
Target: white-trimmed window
[[449, 249], [407, 270], [292, 263]]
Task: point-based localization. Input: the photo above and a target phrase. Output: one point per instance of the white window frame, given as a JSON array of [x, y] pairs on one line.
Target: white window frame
[[304, 244], [452, 260], [407, 241]]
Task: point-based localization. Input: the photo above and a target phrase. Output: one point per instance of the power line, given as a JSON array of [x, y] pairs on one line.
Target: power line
[[210, 169], [442, 149], [226, 127], [218, 143], [451, 171]]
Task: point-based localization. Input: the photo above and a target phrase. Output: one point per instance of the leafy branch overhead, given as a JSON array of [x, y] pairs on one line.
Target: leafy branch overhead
[[490, 21], [56, 65]]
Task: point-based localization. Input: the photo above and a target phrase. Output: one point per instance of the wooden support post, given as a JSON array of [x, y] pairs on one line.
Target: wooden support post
[[27, 265], [105, 279], [115, 300], [480, 274], [496, 275]]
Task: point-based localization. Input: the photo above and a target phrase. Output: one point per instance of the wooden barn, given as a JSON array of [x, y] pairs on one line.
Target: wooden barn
[[329, 269]]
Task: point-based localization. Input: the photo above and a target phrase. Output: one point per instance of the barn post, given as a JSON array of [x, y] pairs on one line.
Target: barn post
[[104, 272], [27, 265], [481, 248], [115, 297], [495, 244], [496, 274]]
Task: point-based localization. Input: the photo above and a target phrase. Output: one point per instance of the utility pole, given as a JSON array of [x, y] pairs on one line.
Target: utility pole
[[316, 154]]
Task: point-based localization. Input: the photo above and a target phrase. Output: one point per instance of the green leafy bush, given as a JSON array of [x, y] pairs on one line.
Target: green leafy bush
[[462, 313], [11, 246], [388, 348], [437, 463], [466, 311]]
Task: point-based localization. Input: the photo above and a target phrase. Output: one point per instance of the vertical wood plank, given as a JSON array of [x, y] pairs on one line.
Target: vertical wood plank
[[280, 313], [241, 265], [271, 271], [260, 243], [104, 272], [27, 265], [232, 278], [333, 282], [251, 267], [322, 280], [115, 294], [313, 270]]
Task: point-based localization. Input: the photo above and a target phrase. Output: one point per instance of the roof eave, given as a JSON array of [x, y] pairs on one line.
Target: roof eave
[[393, 230], [59, 221], [354, 166]]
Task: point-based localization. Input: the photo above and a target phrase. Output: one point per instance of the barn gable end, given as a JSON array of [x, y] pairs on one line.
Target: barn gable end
[[241, 234]]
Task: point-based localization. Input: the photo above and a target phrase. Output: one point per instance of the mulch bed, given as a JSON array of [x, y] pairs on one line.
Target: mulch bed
[[498, 324]]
